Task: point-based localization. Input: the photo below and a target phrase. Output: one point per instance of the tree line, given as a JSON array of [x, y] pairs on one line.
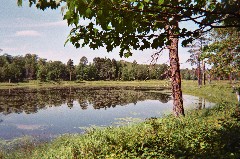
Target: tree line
[[32, 67]]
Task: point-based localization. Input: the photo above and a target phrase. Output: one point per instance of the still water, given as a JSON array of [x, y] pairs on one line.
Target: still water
[[48, 113]]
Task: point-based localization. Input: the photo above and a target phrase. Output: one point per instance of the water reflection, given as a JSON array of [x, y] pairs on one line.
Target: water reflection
[[46, 113], [201, 103], [30, 101]]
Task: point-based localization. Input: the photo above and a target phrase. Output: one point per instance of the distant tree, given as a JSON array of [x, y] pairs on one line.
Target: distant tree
[[83, 61], [114, 69], [81, 66], [31, 66], [15, 71], [70, 67], [56, 71], [142, 72], [131, 71], [11, 68], [5, 59], [108, 69], [102, 65], [134, 66], [3, 65], [42, 69], [91, 72], [196, 57], [223, 53], [186, 74], [162, 71], [119, 66], [125, 74]]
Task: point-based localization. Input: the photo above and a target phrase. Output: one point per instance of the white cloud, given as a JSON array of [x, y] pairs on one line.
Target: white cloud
[[27, 33]]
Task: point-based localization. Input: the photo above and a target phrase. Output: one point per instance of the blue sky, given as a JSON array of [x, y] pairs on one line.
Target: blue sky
[[28, 30]]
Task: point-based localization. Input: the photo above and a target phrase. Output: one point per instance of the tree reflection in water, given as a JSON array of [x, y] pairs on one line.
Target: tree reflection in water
[[201, 104], [31, 100]]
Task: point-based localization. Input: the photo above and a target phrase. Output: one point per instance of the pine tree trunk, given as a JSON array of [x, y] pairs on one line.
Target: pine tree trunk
[[204, 74], [178, 109], [209, 78], [199, 72]]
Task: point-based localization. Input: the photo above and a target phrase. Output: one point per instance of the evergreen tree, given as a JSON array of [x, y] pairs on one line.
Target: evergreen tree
[[70, 67]]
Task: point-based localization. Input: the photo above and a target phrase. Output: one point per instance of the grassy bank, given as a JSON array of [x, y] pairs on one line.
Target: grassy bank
[[207, 133], [37, 84]]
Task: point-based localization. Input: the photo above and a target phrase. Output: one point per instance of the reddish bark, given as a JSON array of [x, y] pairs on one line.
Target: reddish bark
[[199, 73], [204, 74], [178, 109]]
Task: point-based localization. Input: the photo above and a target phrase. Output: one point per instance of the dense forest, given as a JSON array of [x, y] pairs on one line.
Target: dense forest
[[32, 67]]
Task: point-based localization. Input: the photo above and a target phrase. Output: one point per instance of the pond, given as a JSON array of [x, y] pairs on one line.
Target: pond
[[47, 113]]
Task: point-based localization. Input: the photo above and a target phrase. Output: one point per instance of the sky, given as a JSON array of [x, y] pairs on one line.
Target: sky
[[29, 30]]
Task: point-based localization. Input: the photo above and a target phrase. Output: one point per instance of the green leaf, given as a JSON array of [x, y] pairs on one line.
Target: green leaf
[[160, 2], [186, 41], [141, 5], [184, 30], [77, 45], [109, 27], [88, 12], [109, 48], [19, 2], [128, 54]]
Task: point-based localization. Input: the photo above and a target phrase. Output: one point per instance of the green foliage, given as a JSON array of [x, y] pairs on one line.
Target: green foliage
[[140, 24], [187, 74], [70, 67], [56, 71], [12, 68], [223, 52], [32, 67]]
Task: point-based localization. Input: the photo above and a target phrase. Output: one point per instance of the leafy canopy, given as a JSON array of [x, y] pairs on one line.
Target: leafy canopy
[[223, 52], [140, 24]]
